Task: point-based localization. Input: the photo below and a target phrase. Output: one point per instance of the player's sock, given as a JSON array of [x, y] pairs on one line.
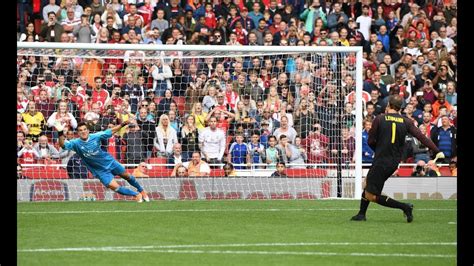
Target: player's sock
[[364, 204], [389, 202], [126, 191], [133, 181]]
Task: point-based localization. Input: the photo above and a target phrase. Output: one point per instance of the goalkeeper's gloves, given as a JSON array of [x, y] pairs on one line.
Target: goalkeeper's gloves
[[439, 155]]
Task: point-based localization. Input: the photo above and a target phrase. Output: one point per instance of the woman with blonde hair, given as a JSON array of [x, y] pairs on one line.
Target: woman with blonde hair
[[199, 116], [273, 101], [102, 35], [62, 118], [240, 113], [189, 136], [165, 138]]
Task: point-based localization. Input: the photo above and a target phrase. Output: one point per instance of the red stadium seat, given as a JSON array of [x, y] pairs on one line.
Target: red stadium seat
[[405, 171], [157, 160], [180, 102], [444, 170]]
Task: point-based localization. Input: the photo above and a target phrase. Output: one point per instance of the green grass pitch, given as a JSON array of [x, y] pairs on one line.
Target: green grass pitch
[[234, 232]]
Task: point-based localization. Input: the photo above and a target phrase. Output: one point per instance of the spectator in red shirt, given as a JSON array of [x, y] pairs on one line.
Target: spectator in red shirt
[[210, 17], [99, 95]]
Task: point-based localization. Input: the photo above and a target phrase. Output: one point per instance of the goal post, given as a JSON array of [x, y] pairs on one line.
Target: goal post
[[341, 166]]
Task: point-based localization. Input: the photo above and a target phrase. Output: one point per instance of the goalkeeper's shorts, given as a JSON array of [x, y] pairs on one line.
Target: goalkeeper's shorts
[[377, 175], [107, 176]]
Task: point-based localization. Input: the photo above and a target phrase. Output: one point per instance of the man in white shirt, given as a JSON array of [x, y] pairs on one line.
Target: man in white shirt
[[364, 22], [448, 42], [212, 142]]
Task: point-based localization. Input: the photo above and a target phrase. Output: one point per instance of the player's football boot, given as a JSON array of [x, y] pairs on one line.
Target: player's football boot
[[145, 196], [139, 198], [409, 212], [358, 217]]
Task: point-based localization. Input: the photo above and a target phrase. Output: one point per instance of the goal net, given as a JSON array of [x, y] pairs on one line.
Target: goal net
[[250, 106]]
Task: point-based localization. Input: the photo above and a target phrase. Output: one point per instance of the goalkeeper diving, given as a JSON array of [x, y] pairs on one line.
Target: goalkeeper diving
[[99, 162]]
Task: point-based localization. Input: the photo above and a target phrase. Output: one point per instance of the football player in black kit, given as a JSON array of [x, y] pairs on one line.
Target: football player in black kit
[[387, 137]]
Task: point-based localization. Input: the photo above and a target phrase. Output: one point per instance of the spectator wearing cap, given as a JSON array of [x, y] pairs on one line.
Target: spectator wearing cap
[[246, 22], [429, 93], [440, 49]]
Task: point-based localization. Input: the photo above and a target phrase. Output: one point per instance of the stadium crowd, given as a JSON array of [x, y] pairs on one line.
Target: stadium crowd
[[244, 110]]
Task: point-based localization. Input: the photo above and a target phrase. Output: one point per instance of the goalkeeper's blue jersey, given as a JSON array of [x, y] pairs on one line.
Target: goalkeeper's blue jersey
[[96, 159]]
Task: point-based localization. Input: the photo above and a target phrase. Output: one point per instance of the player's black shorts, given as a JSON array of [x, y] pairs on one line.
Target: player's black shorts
[[377, 175]]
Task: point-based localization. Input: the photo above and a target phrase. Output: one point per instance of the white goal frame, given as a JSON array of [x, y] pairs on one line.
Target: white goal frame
[[243, 50]]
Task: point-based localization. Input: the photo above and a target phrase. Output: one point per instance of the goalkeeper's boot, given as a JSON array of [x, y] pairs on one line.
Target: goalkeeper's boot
[[139, 198], [145, 196], [408, 212], [358, 217]]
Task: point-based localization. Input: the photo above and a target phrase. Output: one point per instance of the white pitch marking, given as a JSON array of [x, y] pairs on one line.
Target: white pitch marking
[[214, 210], [452, 223], [244, 245], [246, 252]]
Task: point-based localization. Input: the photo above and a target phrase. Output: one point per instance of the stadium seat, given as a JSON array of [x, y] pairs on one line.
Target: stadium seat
[[444, 170], [405, 171], [157, 160], [180, 102], [217, 172]]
